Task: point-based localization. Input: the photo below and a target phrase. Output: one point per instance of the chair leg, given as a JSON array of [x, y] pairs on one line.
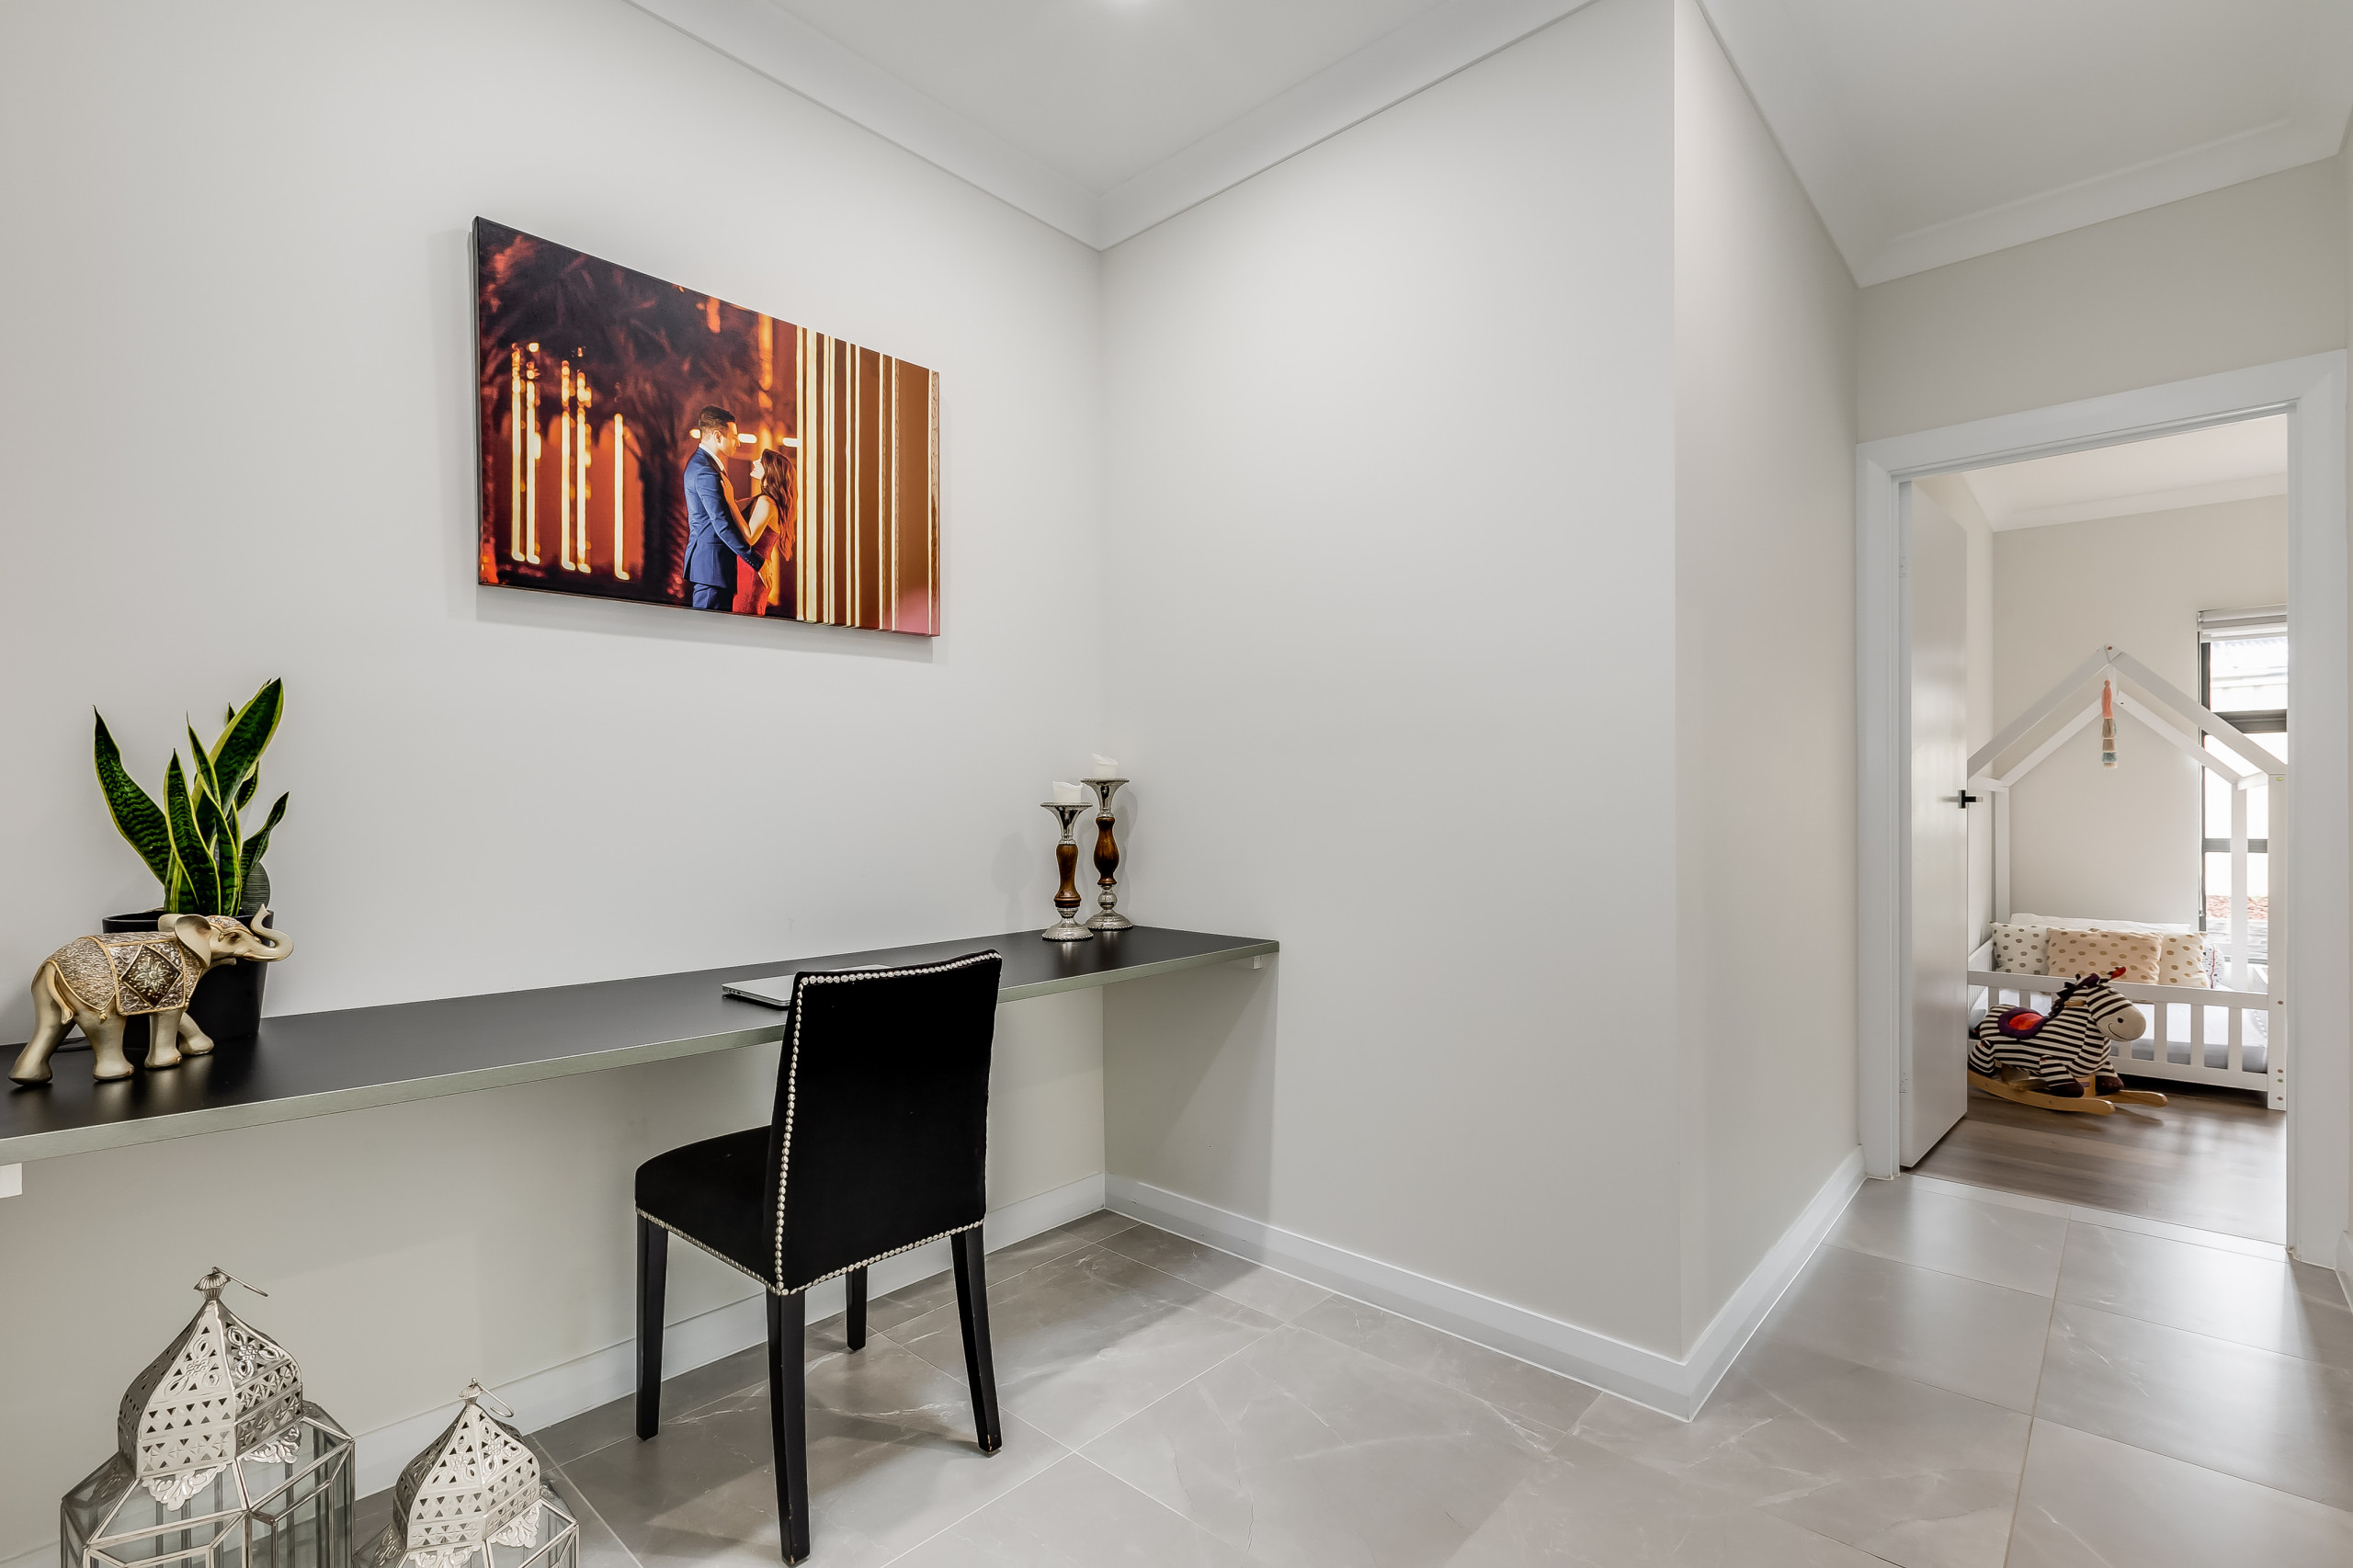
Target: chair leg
[[855, 1321], [653, 1274], [972, 1312], [789, 1418]]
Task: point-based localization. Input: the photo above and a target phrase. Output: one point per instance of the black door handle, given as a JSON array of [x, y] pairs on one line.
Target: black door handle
[[1968, 799]]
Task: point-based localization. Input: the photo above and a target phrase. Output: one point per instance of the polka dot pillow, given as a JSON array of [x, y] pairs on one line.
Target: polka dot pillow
[[2183, 962], [2137, 953], [2019, 950]]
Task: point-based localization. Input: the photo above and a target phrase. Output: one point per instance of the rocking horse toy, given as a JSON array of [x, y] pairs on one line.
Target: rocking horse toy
[[2060, 1060]]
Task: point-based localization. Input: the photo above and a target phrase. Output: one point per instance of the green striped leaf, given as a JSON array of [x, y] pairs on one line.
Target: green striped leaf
[[258, 844], [238, 752], [136, 815], [191, 861], [203, 782], [220, 832], [246, 791]]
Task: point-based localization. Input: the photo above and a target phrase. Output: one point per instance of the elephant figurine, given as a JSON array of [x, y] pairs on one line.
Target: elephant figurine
[[97, 981]]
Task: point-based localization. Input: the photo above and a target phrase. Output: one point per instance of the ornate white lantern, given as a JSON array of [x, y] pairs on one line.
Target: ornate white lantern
[[473, 1499], [219, 1462]]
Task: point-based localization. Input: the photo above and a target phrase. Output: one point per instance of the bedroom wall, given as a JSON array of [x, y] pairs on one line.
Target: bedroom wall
[[2086, 840], [1390, 543], [2246, 275], [239, 224], [1764, 760]]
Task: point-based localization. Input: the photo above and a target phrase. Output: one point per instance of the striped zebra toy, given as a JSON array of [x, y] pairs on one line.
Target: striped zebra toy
[[2061, 1060]]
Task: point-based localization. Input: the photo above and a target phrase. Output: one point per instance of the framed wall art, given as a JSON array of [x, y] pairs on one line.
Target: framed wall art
[[641, 440]]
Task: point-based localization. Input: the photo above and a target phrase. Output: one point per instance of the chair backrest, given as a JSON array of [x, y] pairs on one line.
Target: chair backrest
[[879, 1141]]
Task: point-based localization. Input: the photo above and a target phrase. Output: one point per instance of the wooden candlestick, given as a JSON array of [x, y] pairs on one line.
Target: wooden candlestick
[[1107, 858], [1067, 900]]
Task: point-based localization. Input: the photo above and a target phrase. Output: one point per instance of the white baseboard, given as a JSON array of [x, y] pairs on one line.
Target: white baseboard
[[543, 1398], [1672, 1387], [2345, 1265]]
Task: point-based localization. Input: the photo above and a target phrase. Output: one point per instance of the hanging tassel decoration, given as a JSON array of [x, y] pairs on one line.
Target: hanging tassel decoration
[[2108, 723]]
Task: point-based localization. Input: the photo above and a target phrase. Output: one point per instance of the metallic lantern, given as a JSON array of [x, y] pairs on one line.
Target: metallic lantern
[[220, 1461], [475, 1490]]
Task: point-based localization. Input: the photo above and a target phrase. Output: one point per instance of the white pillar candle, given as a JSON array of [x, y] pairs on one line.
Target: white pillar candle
[[1104, 767], [1069, 795]]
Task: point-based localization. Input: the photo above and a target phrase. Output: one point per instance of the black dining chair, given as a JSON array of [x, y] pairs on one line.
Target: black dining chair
[[878, 1145]]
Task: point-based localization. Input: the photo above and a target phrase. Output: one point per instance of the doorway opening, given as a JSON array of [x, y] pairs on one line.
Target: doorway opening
[[2287, 933], [2104, 634]]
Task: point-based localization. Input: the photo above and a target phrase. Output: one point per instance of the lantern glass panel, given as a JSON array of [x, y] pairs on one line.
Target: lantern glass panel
[[558, 1546], [254, 1514]]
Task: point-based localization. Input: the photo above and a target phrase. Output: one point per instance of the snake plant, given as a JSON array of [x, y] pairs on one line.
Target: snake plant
[[196, 842]]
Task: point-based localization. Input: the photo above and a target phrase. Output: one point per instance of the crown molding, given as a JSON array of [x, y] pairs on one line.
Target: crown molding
[[1385, 72], [2251, 155], [1763, 44], [1769, 54], [791, 53]]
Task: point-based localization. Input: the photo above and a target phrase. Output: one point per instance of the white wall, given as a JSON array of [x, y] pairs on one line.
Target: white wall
[[2246, 275], [2119, 844], [1456, 467], [1765, 760], [228, 220], [1391, 549]]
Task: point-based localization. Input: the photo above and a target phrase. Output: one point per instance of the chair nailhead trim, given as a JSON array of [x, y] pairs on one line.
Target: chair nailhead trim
[[769, 1285], [714, 1252], [792, 1069], [854, 1267]]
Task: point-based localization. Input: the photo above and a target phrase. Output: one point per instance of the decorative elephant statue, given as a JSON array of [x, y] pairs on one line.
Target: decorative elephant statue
[[97, 981]]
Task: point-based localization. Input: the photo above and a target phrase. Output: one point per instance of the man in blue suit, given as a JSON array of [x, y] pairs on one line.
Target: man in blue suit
[[714, 527]]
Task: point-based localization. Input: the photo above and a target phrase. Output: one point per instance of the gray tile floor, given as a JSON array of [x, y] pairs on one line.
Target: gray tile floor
[[1959, 1378]]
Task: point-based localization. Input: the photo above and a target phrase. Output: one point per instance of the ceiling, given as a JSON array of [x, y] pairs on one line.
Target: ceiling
[[1926, 133], [1104, 117], [2195, 468], [1101, 90]]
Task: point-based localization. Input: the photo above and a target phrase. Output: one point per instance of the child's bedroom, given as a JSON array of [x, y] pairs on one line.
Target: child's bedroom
[[2099, 709]]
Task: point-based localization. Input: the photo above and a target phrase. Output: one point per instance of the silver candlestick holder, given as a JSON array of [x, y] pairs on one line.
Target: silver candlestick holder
[[1107, 858], [1067, 900]]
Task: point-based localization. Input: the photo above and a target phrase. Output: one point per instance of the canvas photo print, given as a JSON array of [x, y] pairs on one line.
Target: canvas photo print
[[641, 440]]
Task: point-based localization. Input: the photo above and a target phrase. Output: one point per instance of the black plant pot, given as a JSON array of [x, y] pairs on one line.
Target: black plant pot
[[227, 1001]]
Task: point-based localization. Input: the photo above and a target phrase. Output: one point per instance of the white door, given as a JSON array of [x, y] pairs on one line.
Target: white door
[[1935, 1054]]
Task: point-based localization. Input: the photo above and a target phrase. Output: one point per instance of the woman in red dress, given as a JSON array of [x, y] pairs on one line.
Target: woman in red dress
[[768, 591]]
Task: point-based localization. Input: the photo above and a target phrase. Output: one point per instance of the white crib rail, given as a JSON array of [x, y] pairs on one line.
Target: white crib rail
[[2246, 1016]]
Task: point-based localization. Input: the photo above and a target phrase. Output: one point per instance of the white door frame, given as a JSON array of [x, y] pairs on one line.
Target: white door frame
[[2317, 892]]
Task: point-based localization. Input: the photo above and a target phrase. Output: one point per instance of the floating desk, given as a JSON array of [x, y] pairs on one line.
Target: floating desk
[[317, 1063]]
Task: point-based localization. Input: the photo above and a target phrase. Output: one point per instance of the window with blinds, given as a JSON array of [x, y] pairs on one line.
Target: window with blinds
[[2241, 677]]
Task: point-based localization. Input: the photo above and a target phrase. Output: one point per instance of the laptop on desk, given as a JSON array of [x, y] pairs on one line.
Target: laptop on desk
[[776, 990]]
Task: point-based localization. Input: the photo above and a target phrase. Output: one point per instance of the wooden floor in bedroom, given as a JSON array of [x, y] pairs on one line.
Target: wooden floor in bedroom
[[2213, 1158]]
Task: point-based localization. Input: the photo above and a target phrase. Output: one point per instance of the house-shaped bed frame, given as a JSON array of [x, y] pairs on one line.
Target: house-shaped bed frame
[[2141, 692]]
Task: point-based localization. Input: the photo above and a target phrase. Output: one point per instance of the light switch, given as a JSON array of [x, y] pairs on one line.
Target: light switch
[[12, 1180]]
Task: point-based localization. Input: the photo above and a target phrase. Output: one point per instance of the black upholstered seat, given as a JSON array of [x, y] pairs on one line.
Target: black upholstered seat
[[878, 1143], [714, 1192]]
